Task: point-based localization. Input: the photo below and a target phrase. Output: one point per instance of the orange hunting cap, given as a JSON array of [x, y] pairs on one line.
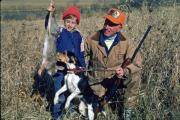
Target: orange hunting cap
[[116, 16]]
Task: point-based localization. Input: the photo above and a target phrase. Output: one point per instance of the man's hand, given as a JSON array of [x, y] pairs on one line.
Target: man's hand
[[42, 67], [40, 71], [120, 72], [51, 7]]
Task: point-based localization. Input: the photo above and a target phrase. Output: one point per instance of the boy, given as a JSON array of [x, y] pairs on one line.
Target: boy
[[68, 38]]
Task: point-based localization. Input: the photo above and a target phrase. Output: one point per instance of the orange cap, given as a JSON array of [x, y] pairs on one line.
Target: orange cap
[[116, 16]]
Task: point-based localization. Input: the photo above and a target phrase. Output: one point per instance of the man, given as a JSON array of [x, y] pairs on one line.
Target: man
[[106, 50]]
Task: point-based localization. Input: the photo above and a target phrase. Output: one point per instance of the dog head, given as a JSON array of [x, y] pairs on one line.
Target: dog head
[[66, 60], [62, 57], [67, 57]]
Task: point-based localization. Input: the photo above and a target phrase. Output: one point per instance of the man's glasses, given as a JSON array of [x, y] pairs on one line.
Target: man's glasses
[[109, 23]]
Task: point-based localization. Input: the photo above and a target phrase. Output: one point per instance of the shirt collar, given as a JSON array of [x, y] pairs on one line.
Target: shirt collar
[[74, 30], [102, 38]]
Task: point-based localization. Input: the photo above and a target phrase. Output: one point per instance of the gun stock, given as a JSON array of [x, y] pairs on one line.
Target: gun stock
[[126, 63]]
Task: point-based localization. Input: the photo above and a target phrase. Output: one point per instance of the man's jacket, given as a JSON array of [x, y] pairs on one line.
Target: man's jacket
[[99, 58]]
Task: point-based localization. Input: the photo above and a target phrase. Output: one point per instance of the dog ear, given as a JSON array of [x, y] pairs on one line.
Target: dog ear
[[66, 56], [58, 56], [70, 54], [72, 57], [65, 53]]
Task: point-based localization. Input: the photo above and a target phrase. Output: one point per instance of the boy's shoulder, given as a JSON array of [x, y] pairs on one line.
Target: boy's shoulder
[[77, 31]]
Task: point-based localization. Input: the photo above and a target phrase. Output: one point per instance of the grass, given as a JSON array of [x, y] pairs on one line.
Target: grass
[[23, 4], [21, 50], [31, 10]]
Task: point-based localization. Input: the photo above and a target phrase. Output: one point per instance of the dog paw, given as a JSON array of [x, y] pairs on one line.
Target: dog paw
[[67, 105], [104, 113], [55, 100]]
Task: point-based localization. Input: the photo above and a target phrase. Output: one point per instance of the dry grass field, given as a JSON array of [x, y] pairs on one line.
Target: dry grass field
[[37, 4], [21, 48]]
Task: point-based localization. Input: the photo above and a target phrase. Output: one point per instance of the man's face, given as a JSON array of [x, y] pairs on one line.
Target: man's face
[[111, 28], [70, 24]]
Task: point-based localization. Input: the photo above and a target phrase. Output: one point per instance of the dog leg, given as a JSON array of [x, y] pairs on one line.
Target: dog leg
[[90, 112], [70, 98], [82, 108], [104, 113], [63, 89]]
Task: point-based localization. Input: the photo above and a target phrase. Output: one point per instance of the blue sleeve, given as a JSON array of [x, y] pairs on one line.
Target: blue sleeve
[[46, 20], [81, 53], [82, 59], [58, 45]]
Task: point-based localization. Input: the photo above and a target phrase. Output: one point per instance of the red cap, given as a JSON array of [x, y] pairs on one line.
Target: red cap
[[116, 16], [72, 11]]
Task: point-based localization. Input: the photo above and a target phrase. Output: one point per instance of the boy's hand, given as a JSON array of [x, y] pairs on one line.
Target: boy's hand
[[40, 71], [51, 7]]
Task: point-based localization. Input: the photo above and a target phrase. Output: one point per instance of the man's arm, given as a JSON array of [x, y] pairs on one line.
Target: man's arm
[[130, 68], [136, 64]]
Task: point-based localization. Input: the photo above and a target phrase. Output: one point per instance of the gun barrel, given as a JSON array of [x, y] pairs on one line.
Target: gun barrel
[[141, 42]]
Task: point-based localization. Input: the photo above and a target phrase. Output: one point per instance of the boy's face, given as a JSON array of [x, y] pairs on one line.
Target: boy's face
[[70, 23]]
